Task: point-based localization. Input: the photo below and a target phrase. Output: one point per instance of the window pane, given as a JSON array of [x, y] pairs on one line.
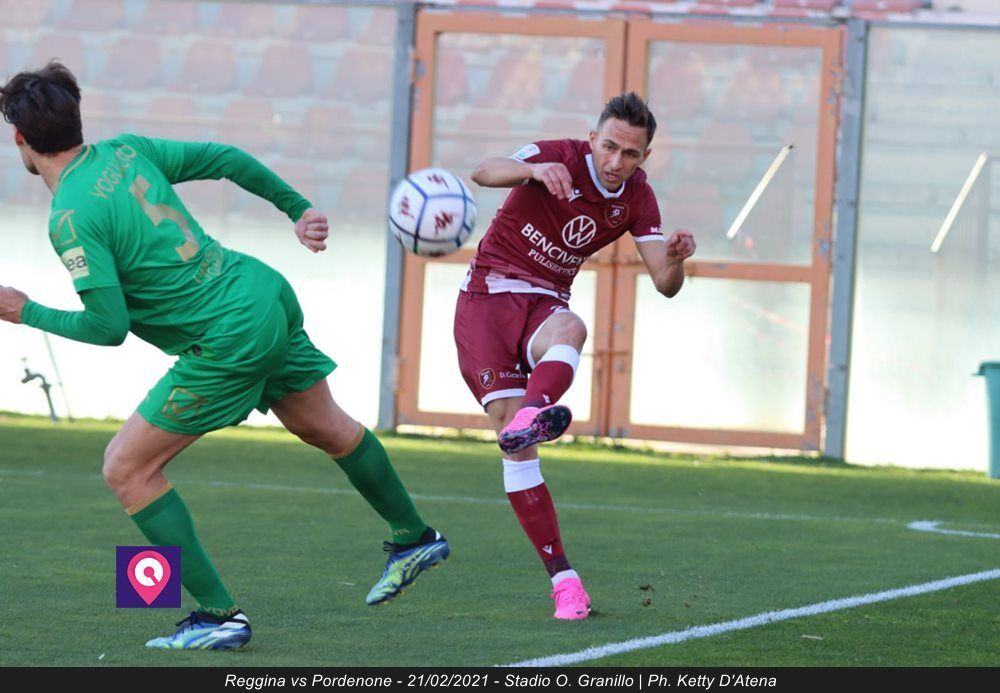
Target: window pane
[[729, 354], [725, 112], [923, 321]]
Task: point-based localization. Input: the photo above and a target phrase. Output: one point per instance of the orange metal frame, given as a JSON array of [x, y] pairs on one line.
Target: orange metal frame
[[618, 266], [430, 24], [817, 274]]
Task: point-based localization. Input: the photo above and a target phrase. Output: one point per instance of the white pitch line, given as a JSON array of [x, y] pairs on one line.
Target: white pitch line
[[754, 621], [932, 526]]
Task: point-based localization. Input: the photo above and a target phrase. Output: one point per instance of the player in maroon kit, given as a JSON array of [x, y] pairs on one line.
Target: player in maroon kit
[[569, 199]]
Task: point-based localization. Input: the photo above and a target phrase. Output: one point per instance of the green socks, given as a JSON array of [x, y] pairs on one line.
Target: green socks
[[167, 522], [370, 472]]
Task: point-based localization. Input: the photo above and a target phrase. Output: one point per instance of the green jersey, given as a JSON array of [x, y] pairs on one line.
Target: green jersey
[[116, 221]]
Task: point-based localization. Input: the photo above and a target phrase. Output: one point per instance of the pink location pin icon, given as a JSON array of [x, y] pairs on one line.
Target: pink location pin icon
[[149, 573]]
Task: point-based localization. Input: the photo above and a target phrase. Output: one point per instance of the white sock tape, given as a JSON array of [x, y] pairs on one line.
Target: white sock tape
[[564, 353], [520, 476]]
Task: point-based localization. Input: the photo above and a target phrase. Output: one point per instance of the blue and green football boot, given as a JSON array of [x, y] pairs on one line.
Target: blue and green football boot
[[405, 564], [199, 631]]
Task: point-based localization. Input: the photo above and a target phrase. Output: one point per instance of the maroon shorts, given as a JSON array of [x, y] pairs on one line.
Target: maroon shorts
[[493, 333]]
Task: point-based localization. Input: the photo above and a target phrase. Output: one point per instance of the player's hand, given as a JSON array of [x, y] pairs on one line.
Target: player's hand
[[555, 177], [680, 246], [312, 230], [11, 304]]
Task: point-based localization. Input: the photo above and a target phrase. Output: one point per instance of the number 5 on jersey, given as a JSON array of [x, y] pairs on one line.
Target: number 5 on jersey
[[160, 212]]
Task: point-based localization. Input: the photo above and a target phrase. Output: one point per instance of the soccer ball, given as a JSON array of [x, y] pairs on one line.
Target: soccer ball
[[432, 212]]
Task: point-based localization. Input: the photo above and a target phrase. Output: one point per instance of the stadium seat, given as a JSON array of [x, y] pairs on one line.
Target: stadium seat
[[248, 20], [719, 6], [18, 14], [824, 5], [886, 6], [133, 63], [168, 17], [250, 124], [451, 78], [174, 117], [285, 71], [325, 132], [209, 68], [92, 15], [585, 87], [311, 23], [67, 48], [380, 28], [363, 74]]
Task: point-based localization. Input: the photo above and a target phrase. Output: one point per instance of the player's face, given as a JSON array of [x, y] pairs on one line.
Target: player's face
[[618, 149]]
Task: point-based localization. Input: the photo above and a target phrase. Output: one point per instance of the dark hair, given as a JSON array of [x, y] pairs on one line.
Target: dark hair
[[44, 106], [633, 110]]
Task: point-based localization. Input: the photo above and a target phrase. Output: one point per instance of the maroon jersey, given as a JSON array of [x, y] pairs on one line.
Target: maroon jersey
[[537, 242]]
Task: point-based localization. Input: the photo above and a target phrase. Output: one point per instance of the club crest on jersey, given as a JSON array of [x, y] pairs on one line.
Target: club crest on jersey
[[615, 213], [579, 231], [487, 378]]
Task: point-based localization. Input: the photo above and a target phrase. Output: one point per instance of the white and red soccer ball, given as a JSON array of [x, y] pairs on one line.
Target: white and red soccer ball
[[432, 212]]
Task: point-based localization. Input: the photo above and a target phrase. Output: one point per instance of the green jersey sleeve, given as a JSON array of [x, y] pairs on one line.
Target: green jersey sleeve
[[185, 161], [104, 320], [82, 243]]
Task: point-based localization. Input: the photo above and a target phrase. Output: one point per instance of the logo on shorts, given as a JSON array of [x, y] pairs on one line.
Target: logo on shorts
[[183, 404], [615, 213], [579, 232], [487, 378], [147, 577]]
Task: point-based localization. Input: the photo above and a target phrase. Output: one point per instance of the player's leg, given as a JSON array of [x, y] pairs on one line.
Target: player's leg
[[133, 469], [318, 420], [553, 353], [533, 505]]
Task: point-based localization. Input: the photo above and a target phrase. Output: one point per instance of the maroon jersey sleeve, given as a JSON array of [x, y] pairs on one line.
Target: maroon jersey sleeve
[[547, 151], [646, 226]]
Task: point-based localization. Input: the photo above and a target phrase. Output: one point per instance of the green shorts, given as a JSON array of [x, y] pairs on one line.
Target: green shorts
[[218, 383]]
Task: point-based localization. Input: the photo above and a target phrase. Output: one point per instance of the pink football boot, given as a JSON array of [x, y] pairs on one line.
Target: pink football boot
[[572, 601], [533, 425]]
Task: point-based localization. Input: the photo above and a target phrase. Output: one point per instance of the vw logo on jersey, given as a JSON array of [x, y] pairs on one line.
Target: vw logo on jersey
[[579, 232]]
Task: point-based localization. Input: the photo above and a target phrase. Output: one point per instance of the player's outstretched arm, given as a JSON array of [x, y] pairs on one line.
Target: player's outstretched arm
[[666, 264], [104, 320], [184, 161], [506, 172]]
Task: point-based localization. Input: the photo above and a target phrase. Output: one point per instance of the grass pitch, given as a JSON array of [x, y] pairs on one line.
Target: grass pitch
[[663, 543]]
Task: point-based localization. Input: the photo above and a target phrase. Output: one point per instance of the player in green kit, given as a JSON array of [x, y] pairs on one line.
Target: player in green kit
[[141, 263]]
